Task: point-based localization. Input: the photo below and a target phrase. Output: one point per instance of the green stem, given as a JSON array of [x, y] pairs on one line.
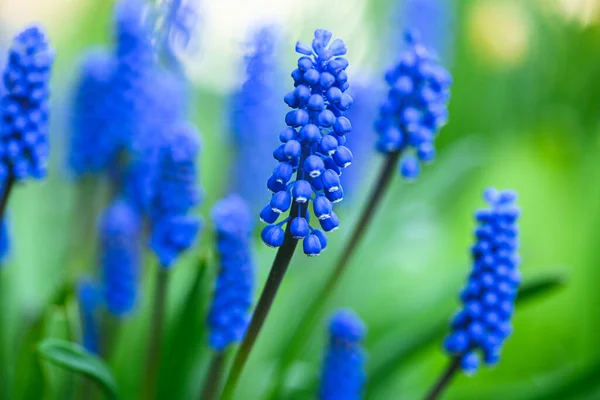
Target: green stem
[[149, 379], [5, 360], [5, 194], [212, 384], [278, 270], [313, 313], [444, 380]]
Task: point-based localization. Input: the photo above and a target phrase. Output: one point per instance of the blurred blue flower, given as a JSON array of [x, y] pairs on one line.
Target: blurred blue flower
[[90, 299], [120, 256], [362, 114], [488, 298], [228, 316], [433, 19], [343, 374], [312, 147], [132, 83], [252, 120], [24, 127], [4, 240], [174, 191], [94, 147], [415, 109]]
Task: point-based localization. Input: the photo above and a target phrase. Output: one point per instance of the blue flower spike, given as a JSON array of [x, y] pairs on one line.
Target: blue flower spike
[[93, 146], [483, 324], [252, 136], [120, 256], [228, 317], [416, 108], [24, 107], [312, 155], [173, 193], [343, 374]]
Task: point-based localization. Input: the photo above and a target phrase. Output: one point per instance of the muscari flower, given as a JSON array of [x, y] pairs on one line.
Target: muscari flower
[[90, 299], [174, 192], [120, 256], [24, 125], [251, 122], [94, 147], [415, 109], [483, 324], [132, 82], [343, 374], [228, 316], [312, 147]]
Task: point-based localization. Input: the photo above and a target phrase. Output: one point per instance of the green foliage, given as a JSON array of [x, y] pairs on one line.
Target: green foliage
[[73, 357]]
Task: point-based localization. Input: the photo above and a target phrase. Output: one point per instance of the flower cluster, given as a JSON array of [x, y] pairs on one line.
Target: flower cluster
[[415, 108], [312, 147], [343, 374], [93, 145], [89, 302], [174, 192], [228, 316], [253, 138], [24, 125], [120, 256], [488, 299], [133, 78]]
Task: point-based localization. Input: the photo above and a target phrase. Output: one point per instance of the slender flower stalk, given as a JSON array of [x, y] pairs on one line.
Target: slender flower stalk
[[343, 374], [312, 148], [484, 322], [24, 111], [413, 113]]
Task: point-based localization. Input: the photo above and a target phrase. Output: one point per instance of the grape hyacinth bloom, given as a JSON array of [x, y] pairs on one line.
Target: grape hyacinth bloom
[[343, 374], [90, 300], [250, 117], [24, 109], [415, 109], [132, 82], [93, 146], [174, 193], [312, 147], [228, 316], [120, 256], [483, 324]]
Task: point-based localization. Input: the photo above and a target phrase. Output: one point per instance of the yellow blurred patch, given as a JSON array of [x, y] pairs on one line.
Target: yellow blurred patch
[[583, 11], [500, 31]]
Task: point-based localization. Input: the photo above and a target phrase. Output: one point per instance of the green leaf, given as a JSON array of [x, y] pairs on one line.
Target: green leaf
[[584, 383], [73, 357], [404, 353]]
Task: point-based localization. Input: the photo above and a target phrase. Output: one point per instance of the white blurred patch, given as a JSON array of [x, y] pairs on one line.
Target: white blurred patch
[[227, 24]]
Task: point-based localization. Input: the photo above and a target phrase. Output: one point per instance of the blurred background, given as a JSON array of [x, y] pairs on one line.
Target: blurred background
[[524, 115]]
